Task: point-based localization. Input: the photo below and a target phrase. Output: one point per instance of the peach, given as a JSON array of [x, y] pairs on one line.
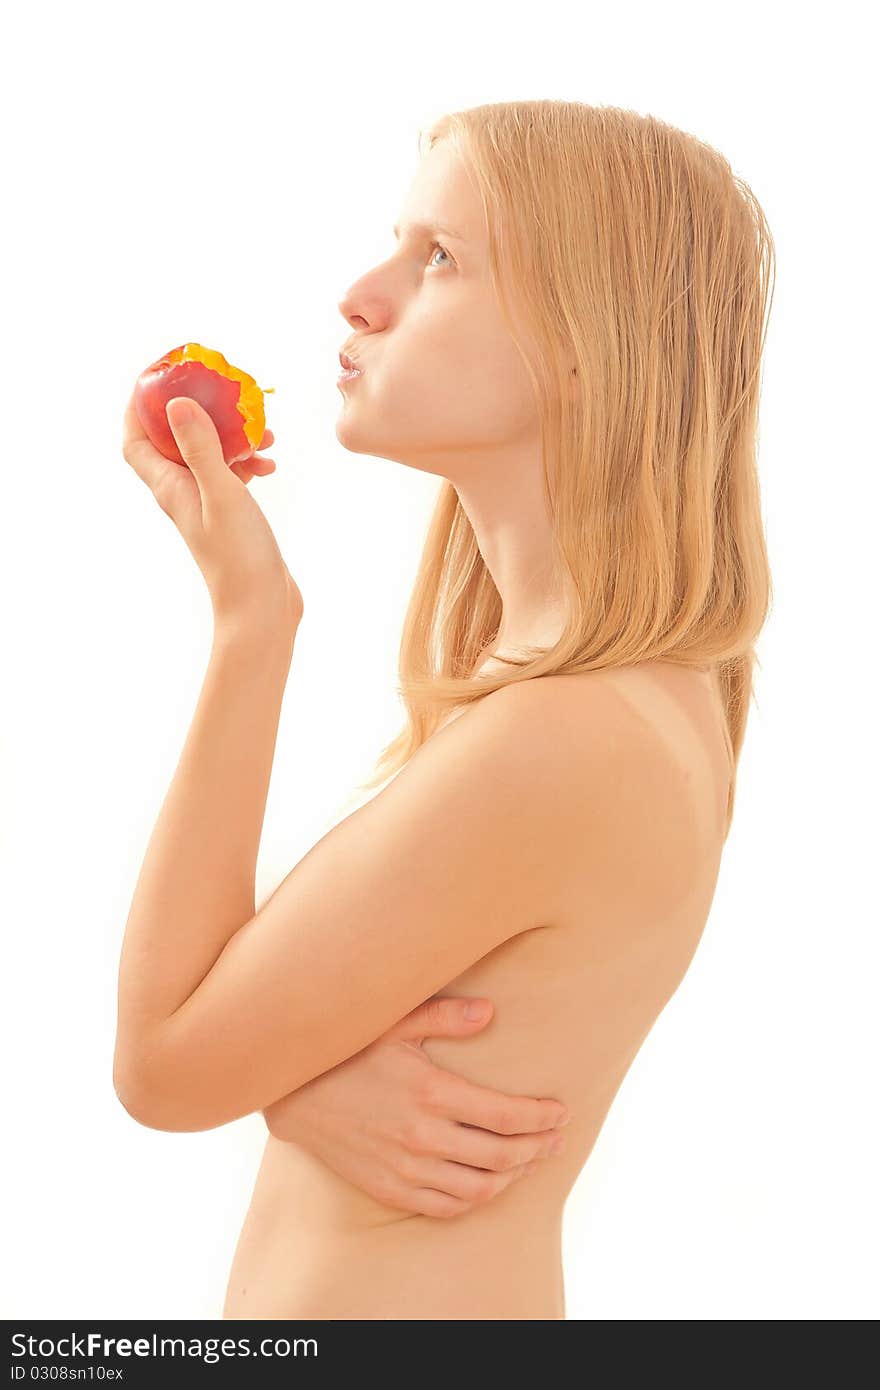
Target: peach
[[233, 400]]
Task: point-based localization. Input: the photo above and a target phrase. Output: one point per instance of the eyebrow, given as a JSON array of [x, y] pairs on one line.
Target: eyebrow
[[427, 229]]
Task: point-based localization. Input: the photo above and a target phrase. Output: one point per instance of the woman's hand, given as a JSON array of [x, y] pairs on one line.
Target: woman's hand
[[397, 1126], [208, 500]]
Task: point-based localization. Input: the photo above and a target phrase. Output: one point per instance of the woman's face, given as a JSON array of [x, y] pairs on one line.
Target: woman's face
[[443, 386]]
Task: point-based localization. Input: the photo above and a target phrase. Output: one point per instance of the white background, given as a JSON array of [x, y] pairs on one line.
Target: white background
[[222, 173]]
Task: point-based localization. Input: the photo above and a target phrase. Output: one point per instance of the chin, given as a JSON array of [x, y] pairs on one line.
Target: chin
[[349, 439], [348, 434]]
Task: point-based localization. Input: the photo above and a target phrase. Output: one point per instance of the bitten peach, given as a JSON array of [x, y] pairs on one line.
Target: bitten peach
[[233, 400]]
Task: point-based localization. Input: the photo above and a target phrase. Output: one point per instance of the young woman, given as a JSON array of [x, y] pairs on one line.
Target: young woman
[[569, 334]]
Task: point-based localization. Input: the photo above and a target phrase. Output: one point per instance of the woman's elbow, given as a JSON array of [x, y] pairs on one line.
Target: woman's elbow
[[144, 1104]]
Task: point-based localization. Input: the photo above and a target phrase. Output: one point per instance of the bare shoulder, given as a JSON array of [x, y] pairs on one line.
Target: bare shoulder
[[580, 721], [555, 729], [541, 737], [577, 749], [539, 792], [626, 793], [513, 747]]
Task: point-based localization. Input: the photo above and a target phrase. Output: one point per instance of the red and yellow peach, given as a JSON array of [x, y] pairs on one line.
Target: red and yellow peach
[[231, 397]]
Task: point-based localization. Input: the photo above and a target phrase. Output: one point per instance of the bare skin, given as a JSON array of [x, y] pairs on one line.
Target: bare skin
[[444, 390], [415, 1136], [573, 1003]]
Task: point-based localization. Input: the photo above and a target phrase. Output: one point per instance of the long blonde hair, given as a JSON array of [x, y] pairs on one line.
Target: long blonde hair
[[631, 248]]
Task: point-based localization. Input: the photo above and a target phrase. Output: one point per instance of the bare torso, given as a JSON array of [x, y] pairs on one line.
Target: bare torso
[[573, 1003]]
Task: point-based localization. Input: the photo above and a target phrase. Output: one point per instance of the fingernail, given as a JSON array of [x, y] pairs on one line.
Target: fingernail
[[475, 1010]]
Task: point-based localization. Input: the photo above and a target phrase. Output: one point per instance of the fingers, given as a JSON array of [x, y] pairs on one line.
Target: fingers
[[196, 437], [446, 1171], [427, 1202], [159, 473], [132, 429], [442, 1016], [463, 1187], [481, 1148], [253, 467], [470, 1104], [444, 1188], [445, 1200], [151, 467]]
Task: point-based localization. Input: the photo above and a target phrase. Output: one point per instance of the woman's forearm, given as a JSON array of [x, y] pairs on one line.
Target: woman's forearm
[[196, 887]]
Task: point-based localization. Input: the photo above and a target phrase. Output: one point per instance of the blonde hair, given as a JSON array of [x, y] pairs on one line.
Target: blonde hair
[[630, 247]]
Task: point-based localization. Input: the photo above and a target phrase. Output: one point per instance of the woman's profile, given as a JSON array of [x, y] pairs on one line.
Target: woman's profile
[[569, 335]]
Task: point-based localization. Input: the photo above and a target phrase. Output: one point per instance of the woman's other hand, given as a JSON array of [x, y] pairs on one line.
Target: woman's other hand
[[410, 1134]]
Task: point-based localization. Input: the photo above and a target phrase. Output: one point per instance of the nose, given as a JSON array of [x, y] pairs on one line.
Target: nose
[[372, 302], [354, 320]]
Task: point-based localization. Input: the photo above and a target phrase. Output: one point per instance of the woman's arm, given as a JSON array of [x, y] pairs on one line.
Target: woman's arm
[[196, 885]]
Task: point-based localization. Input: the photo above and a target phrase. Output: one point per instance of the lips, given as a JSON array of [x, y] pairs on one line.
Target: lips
[[347, 364]]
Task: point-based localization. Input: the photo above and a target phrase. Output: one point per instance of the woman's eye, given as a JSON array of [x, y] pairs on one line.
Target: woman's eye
[[435, 247]]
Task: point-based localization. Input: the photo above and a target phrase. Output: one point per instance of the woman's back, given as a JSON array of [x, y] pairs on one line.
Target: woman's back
[[573, 1001]]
